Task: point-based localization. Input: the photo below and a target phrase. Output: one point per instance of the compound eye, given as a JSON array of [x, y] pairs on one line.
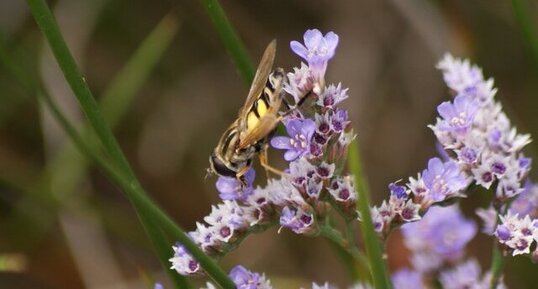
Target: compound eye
[[220, 168]]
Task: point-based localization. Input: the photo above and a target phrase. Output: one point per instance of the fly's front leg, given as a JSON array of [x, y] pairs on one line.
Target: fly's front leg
[[240, 176], [266, 166]]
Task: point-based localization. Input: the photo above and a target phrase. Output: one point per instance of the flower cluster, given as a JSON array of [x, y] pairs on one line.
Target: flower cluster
[[437, 244], [478, 146], [476, 130], [315, 147], [467, 275], [518, 229], [517, 233], [246, 279], [526, 203], [318, 135], [439, 237]]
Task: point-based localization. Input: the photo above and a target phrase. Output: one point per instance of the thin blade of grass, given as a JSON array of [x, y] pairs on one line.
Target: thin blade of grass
[[231, 41], [523, 18], [120, 93], [145, 208], [121, 171], [373, 247], [115, 102], [72, 171]]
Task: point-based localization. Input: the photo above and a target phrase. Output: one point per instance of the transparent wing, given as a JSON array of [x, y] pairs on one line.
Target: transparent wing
[[260, 79]]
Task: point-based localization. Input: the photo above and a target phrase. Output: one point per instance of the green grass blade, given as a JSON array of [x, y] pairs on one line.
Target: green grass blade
[[162, 248], [121, 171], [233, 44], [144, 207], [521, 13], [497, 265], [114, 103], [119, 95], [129, 80], [46, 22], [373, 247]]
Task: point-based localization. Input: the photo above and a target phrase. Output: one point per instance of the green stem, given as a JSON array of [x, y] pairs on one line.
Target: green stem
[[46, 22], [138, 197], [121, 91], [233, 44], [349, 262], [497, 260], [373, 248], [33, 87], [121, 172], [162, 246], [336, 237], [521, 13], [497, 265]]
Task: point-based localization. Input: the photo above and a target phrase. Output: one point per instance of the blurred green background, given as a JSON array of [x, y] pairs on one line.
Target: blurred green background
[[59, 230]]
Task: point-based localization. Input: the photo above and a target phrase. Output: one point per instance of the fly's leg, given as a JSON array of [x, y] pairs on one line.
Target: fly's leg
[[266, 166], [240, 176]]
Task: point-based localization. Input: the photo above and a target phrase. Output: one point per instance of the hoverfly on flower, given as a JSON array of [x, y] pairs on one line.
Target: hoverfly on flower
[[248, 135]]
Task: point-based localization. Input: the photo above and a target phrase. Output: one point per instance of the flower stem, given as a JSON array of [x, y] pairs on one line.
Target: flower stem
[[120, 171], [497, 265], [144, 207], [336, 237], [233, 44], [373, 248], [156, 236]]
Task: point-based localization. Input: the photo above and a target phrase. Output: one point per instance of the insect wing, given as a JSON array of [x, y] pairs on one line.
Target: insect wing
[[264, 126], [261, 123], [260, 79]]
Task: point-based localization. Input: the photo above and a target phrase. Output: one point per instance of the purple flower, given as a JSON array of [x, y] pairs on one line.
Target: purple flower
[[231, 189], [443, 231], [339, 120], [489, 219], [317, 50], [468, 155], [301, 170], [508, 187], [449, 237], [228, 213], [342, 189], [297, 220], [324, 123], [524, 163], [158, 286], [298, 144], [526, 202], [465, 275], [244, 279], [410, 212], [407, 279], [503, 233], [498, 165], [483, 176], [299, 83], [183, 262], [517, 233], [457, 116], [443, 179], [332, 96], [398, 191]]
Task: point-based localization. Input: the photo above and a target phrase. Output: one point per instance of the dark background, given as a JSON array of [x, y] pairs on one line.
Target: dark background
[[387, 55]]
